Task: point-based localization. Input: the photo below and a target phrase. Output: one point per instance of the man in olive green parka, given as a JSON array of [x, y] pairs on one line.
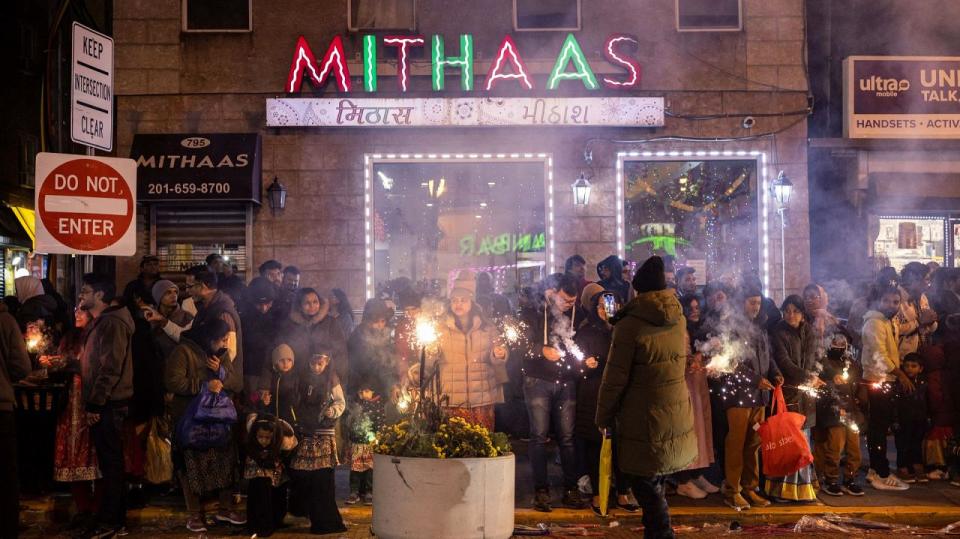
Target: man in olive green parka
[[644, 394]]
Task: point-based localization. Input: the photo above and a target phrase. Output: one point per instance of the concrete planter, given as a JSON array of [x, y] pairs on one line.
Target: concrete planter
[[416, 498]]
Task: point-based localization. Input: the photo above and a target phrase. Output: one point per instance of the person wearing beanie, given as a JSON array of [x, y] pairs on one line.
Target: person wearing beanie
[[165, 296], [644, 393], [744, 395], [279, 387], [370, 350], [550, 372], [610, 271], [259, 322], [465, 355]]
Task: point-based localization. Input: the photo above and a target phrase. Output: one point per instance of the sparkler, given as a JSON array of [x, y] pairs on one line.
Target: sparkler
[[33, 343], [511, 333], [426, 332], [809, 390], [576, 352], [846, 373]]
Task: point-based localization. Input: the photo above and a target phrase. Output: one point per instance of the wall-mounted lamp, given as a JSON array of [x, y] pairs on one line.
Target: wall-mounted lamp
[[581, 191], [781, 189], [277, 195]]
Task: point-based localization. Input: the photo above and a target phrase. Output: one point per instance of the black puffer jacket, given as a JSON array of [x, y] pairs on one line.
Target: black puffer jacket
[[795, 353], [593, 338]]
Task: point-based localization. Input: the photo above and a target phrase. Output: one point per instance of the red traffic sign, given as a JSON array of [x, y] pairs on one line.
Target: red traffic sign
[[85, 204]]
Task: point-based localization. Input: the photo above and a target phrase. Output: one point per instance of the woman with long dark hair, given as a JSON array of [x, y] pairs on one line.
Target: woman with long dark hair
[[342, 311], [309, 327]]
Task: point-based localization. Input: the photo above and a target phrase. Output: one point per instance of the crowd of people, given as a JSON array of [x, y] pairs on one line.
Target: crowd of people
[[265, 388]]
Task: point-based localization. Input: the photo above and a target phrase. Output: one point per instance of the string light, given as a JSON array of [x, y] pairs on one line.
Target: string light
[[571, 52], [304, 60], [508, 52], [370, 63], [464, 62], [403, 44], [631, 65]]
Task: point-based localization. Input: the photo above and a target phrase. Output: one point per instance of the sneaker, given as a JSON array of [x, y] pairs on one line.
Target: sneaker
[[705, 485], [353, 499], [368, 499], [906, 475], [583, 485], [122, 531], [936, 475], [541, 501], [737, 502], [891, 482], [691, 490], [955, 482], [831, 489], [571, 499], [853, 489], [921, 477], [232, 517], [196, 524], [756, 500], [102, 532]]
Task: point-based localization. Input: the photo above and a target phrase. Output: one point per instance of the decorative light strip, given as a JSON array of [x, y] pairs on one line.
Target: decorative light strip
[[763, 195], [571, 52], [464, 62], [508, 51], [403, 44], [369, 160]]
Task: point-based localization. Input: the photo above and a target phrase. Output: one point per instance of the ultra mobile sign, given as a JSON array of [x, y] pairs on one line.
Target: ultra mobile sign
[[85, 205]]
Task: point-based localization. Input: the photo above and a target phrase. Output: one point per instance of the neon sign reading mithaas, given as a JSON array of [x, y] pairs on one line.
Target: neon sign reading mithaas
[[506, 68]]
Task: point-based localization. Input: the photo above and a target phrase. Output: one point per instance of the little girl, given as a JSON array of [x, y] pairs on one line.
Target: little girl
[[321, 402], [267, 491], [364, 421]]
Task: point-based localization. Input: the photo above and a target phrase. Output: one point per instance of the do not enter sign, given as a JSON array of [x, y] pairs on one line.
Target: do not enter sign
[[85, 205]]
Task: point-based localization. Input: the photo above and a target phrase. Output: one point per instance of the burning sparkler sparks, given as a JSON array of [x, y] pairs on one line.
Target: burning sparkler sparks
[[511, 333], [33, 343], [426, 332], [845, 376]]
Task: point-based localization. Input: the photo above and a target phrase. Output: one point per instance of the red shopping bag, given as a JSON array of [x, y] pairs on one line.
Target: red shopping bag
[[785, 448]]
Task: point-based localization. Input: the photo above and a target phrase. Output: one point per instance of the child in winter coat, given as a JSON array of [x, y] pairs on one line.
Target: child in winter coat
[[911, 427], [267, 440], [365, 418], [318, 407], [839, 420], [278, 385]]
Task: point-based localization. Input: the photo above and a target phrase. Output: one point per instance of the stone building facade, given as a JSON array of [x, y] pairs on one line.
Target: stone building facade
[[168, 81]]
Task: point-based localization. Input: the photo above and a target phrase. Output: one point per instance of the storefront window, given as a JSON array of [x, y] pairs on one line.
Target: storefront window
[[431, 220], [703, 213], [900, 240]]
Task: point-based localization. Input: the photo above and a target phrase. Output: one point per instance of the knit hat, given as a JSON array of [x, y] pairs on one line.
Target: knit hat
[[650, 277], [375, 310], [260, 291], [160, 288], [408, 297], [589, 292], [464, 285], [281, 351]]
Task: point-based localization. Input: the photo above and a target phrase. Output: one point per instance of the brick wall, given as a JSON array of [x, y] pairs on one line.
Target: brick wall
[[169, 82]]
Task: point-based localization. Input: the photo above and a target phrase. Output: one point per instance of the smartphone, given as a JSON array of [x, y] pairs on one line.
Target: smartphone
[[610, 304], [220, 352]]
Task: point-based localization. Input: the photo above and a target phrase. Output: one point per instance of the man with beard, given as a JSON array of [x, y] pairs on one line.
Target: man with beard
[[139, 290], [610, 271], [212, 303], [107, 361], [881, 372]]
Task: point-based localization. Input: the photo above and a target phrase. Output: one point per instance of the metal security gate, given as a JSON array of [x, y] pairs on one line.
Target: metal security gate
[[182, 235]]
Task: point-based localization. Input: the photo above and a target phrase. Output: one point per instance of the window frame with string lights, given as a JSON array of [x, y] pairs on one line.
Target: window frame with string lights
[[372, 177], [764, 205]]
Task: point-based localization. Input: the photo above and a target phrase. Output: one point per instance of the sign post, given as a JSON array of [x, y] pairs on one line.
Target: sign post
[[91, 88], [86, 205]]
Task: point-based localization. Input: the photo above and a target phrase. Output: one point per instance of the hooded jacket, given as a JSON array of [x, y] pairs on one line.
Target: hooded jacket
[[107, 359], [534, 364], [284, 390], [318, 333], [644, 388], [14, 361], [371, 360], [465, 362], [593, 337], [795, 353], [740, 389], [221, 306], [615, 282], [879, 355]]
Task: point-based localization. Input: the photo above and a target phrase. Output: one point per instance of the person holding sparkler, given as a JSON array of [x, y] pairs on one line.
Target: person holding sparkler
[[881, 370], [365, 417], [464, 356], [838, 421], [745, 393], [550, 370], [644, 392], [794, 344], [912, 421]]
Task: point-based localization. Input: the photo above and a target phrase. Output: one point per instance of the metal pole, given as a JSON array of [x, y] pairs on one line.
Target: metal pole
[[783, 256]]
